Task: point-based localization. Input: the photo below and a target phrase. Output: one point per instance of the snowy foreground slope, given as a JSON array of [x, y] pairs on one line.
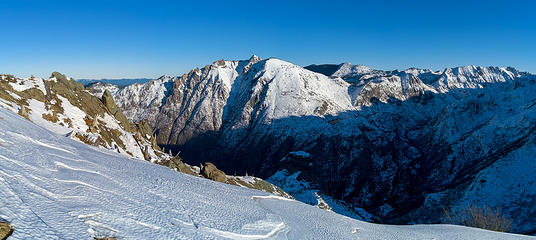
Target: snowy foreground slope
[[52, 187]]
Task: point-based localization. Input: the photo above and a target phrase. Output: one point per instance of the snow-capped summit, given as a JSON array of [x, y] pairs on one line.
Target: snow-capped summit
[[347, 70], [234, 92], [367, 83], [254, 59]]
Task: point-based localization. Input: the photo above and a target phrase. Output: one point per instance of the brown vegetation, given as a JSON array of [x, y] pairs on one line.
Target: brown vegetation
[[478, 216]]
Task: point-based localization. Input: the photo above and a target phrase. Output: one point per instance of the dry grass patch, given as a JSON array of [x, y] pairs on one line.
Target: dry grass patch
[[480, 217]]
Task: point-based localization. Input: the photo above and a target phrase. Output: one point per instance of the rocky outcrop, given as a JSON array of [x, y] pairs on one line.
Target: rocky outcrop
[[177, 164], [115, 111], [5, 230], [257, 183], [210, 171]]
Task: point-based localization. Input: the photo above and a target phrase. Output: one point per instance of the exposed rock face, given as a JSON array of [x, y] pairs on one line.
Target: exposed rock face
[[5, 230], [257, 183], [198, 97], [177, 164], [211, 172], [394, 143], [116, 112]]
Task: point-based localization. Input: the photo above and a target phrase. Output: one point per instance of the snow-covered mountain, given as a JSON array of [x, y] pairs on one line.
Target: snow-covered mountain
[[52, 187], [143, 101], [389, 146], [98, 88]]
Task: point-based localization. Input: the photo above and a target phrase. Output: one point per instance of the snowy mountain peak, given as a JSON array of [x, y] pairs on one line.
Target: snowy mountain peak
[[254, 58], [164, 77], [347, 70]]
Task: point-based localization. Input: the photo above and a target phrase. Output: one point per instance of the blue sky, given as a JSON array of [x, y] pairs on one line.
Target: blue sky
[[116, 39]]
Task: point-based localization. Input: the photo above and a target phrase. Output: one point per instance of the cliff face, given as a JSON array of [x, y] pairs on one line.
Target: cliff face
[[398, 145]]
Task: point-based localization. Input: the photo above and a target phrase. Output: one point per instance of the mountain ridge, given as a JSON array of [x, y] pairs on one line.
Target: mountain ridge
[[248, 115]]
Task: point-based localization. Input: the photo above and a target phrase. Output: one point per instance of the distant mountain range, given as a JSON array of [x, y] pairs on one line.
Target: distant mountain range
[[120, 82]]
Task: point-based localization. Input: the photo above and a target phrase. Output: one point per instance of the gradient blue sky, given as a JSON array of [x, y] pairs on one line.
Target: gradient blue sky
[[116, 39]]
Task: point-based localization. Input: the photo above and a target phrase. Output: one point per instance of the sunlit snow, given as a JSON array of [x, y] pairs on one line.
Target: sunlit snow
[[52, 187]]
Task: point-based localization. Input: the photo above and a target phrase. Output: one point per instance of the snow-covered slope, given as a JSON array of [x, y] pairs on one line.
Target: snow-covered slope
[[55, 188], [383, 142]]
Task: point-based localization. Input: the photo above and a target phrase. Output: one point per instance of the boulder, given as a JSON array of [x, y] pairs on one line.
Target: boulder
[[146, 153], [210, 171], [5, 230]]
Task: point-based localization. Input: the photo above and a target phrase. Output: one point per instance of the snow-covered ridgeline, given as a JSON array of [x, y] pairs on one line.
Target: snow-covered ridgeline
[[285, 90]]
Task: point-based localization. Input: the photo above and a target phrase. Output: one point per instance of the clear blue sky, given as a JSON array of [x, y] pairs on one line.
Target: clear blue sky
[[115, 39]]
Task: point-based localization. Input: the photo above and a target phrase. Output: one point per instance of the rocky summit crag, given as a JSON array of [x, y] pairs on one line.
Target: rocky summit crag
[[386, 146]]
